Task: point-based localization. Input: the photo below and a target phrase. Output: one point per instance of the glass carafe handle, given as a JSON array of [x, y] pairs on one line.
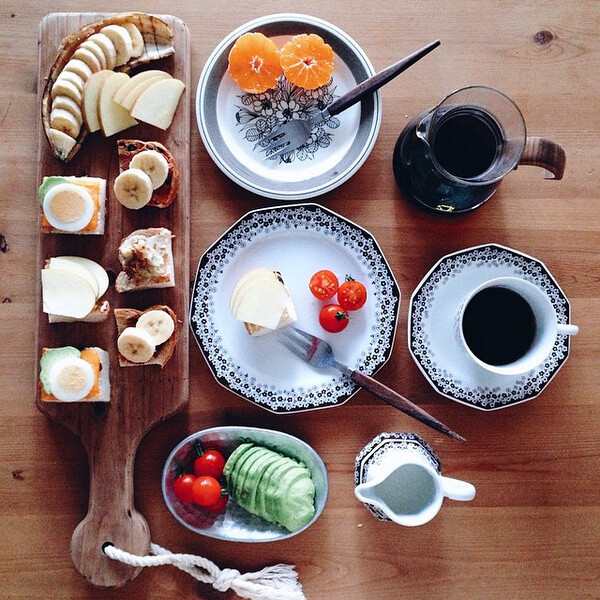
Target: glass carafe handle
[[540, 152]]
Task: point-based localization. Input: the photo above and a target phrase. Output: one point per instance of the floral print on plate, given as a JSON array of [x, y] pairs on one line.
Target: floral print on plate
[[259, 115]]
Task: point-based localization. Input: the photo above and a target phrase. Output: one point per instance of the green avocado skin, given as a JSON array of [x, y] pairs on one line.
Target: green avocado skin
[[271, 485]]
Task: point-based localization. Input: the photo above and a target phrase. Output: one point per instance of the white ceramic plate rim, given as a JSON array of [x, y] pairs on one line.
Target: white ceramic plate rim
[[246, 183]]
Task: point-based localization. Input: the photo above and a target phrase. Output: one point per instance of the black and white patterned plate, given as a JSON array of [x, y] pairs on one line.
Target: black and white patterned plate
[[297, 241], [233, 123], [436, 350]]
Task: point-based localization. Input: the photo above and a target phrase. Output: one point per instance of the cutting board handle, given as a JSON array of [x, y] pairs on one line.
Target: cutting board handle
[[111, 517]]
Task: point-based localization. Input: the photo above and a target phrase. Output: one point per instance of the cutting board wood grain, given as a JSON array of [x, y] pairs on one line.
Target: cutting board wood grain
[[141, 397]]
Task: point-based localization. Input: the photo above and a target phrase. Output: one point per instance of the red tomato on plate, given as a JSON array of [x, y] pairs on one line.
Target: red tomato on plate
[[323, 285], [352, 294], [333, 318], [210, 463], [206, 490], [182, 487]]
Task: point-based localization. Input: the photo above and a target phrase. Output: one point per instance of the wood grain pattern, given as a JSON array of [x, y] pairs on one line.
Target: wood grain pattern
[[533, 530], [140, 396]]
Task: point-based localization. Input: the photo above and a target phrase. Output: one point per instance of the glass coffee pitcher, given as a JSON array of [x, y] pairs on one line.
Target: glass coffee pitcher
[[453, 157]]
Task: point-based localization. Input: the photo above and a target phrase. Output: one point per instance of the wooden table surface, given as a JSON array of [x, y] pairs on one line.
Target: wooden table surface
[[533, 530]]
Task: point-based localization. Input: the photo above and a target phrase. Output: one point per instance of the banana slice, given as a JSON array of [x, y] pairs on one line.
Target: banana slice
[[107, 47], [154, 164], [63, 120], [62, 143], [136, 345], [121, 39], [89, 58], [71, 379], [133, 188], [94, 49], [64, 86], [77, 66], [158, 323], [137, 40], [73, 77], [68, 104]]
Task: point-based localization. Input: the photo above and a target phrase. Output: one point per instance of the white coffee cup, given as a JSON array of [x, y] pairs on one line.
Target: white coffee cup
[[408, 489], [547, 327]]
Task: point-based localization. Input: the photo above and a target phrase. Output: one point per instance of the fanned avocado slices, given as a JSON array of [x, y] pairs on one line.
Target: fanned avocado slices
[[234, 457]]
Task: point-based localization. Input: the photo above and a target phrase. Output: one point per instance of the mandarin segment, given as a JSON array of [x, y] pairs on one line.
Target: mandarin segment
[[307, 61], [254, 63]]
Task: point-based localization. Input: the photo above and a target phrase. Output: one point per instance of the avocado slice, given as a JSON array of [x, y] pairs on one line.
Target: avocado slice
[[298, 504], [234, 457], [262, 474], [50, 358], [239, 471], [275, 509], [47, 183], [246, 486], [273, 470]]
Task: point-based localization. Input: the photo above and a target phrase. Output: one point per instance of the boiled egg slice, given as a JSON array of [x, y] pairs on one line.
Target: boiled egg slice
[[71, 379], [68, 207]]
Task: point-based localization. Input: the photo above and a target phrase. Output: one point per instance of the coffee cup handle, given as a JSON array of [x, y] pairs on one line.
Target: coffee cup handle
[[455, 489], [540, 152], [569, 329]]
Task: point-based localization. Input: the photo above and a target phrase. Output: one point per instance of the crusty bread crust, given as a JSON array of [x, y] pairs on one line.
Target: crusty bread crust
[[125, 283], [167, 192], [128, 317]]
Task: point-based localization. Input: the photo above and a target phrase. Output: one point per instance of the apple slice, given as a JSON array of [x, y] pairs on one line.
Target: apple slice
[[66, 293], [256, 279], [91, 93], [113, 118], [263, 304], [136, 80], [97, 271], [59, 262], [157, 104]]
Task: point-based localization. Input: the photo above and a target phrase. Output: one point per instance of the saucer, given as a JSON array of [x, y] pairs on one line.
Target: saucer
[[296, 241], [432, 314], [232, 123], [371, 456]]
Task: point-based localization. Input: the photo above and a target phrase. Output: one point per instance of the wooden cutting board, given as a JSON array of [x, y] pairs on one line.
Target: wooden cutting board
[[141, 397]]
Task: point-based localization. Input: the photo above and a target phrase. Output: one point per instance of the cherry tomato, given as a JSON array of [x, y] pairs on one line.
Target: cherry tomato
[[352, 295], [210, 463], [183, 488], [206, 490], [323, 284], [219, 505], [333, 318]]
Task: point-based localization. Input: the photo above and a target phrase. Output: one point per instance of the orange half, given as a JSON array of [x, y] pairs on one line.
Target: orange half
[[307, 61], [254, 63]]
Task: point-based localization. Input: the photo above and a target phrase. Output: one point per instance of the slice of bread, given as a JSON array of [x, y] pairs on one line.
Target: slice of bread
[[103, 378], [167, 192], [136, 252], [128, 317]]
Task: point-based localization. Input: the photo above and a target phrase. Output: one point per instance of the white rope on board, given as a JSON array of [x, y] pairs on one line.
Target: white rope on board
[[278, 582]]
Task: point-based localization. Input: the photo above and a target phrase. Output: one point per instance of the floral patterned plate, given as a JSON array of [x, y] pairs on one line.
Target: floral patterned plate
[[434, 347], [297, 241], [233, 123]]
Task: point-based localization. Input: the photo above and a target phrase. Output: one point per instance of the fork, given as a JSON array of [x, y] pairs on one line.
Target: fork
[[292, 134], [318, 353]]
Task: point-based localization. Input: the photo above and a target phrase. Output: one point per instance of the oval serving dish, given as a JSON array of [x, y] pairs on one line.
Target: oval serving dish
[[235, 523]]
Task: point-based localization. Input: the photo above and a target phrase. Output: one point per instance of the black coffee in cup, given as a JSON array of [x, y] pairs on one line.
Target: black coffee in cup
[[498, 325]]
